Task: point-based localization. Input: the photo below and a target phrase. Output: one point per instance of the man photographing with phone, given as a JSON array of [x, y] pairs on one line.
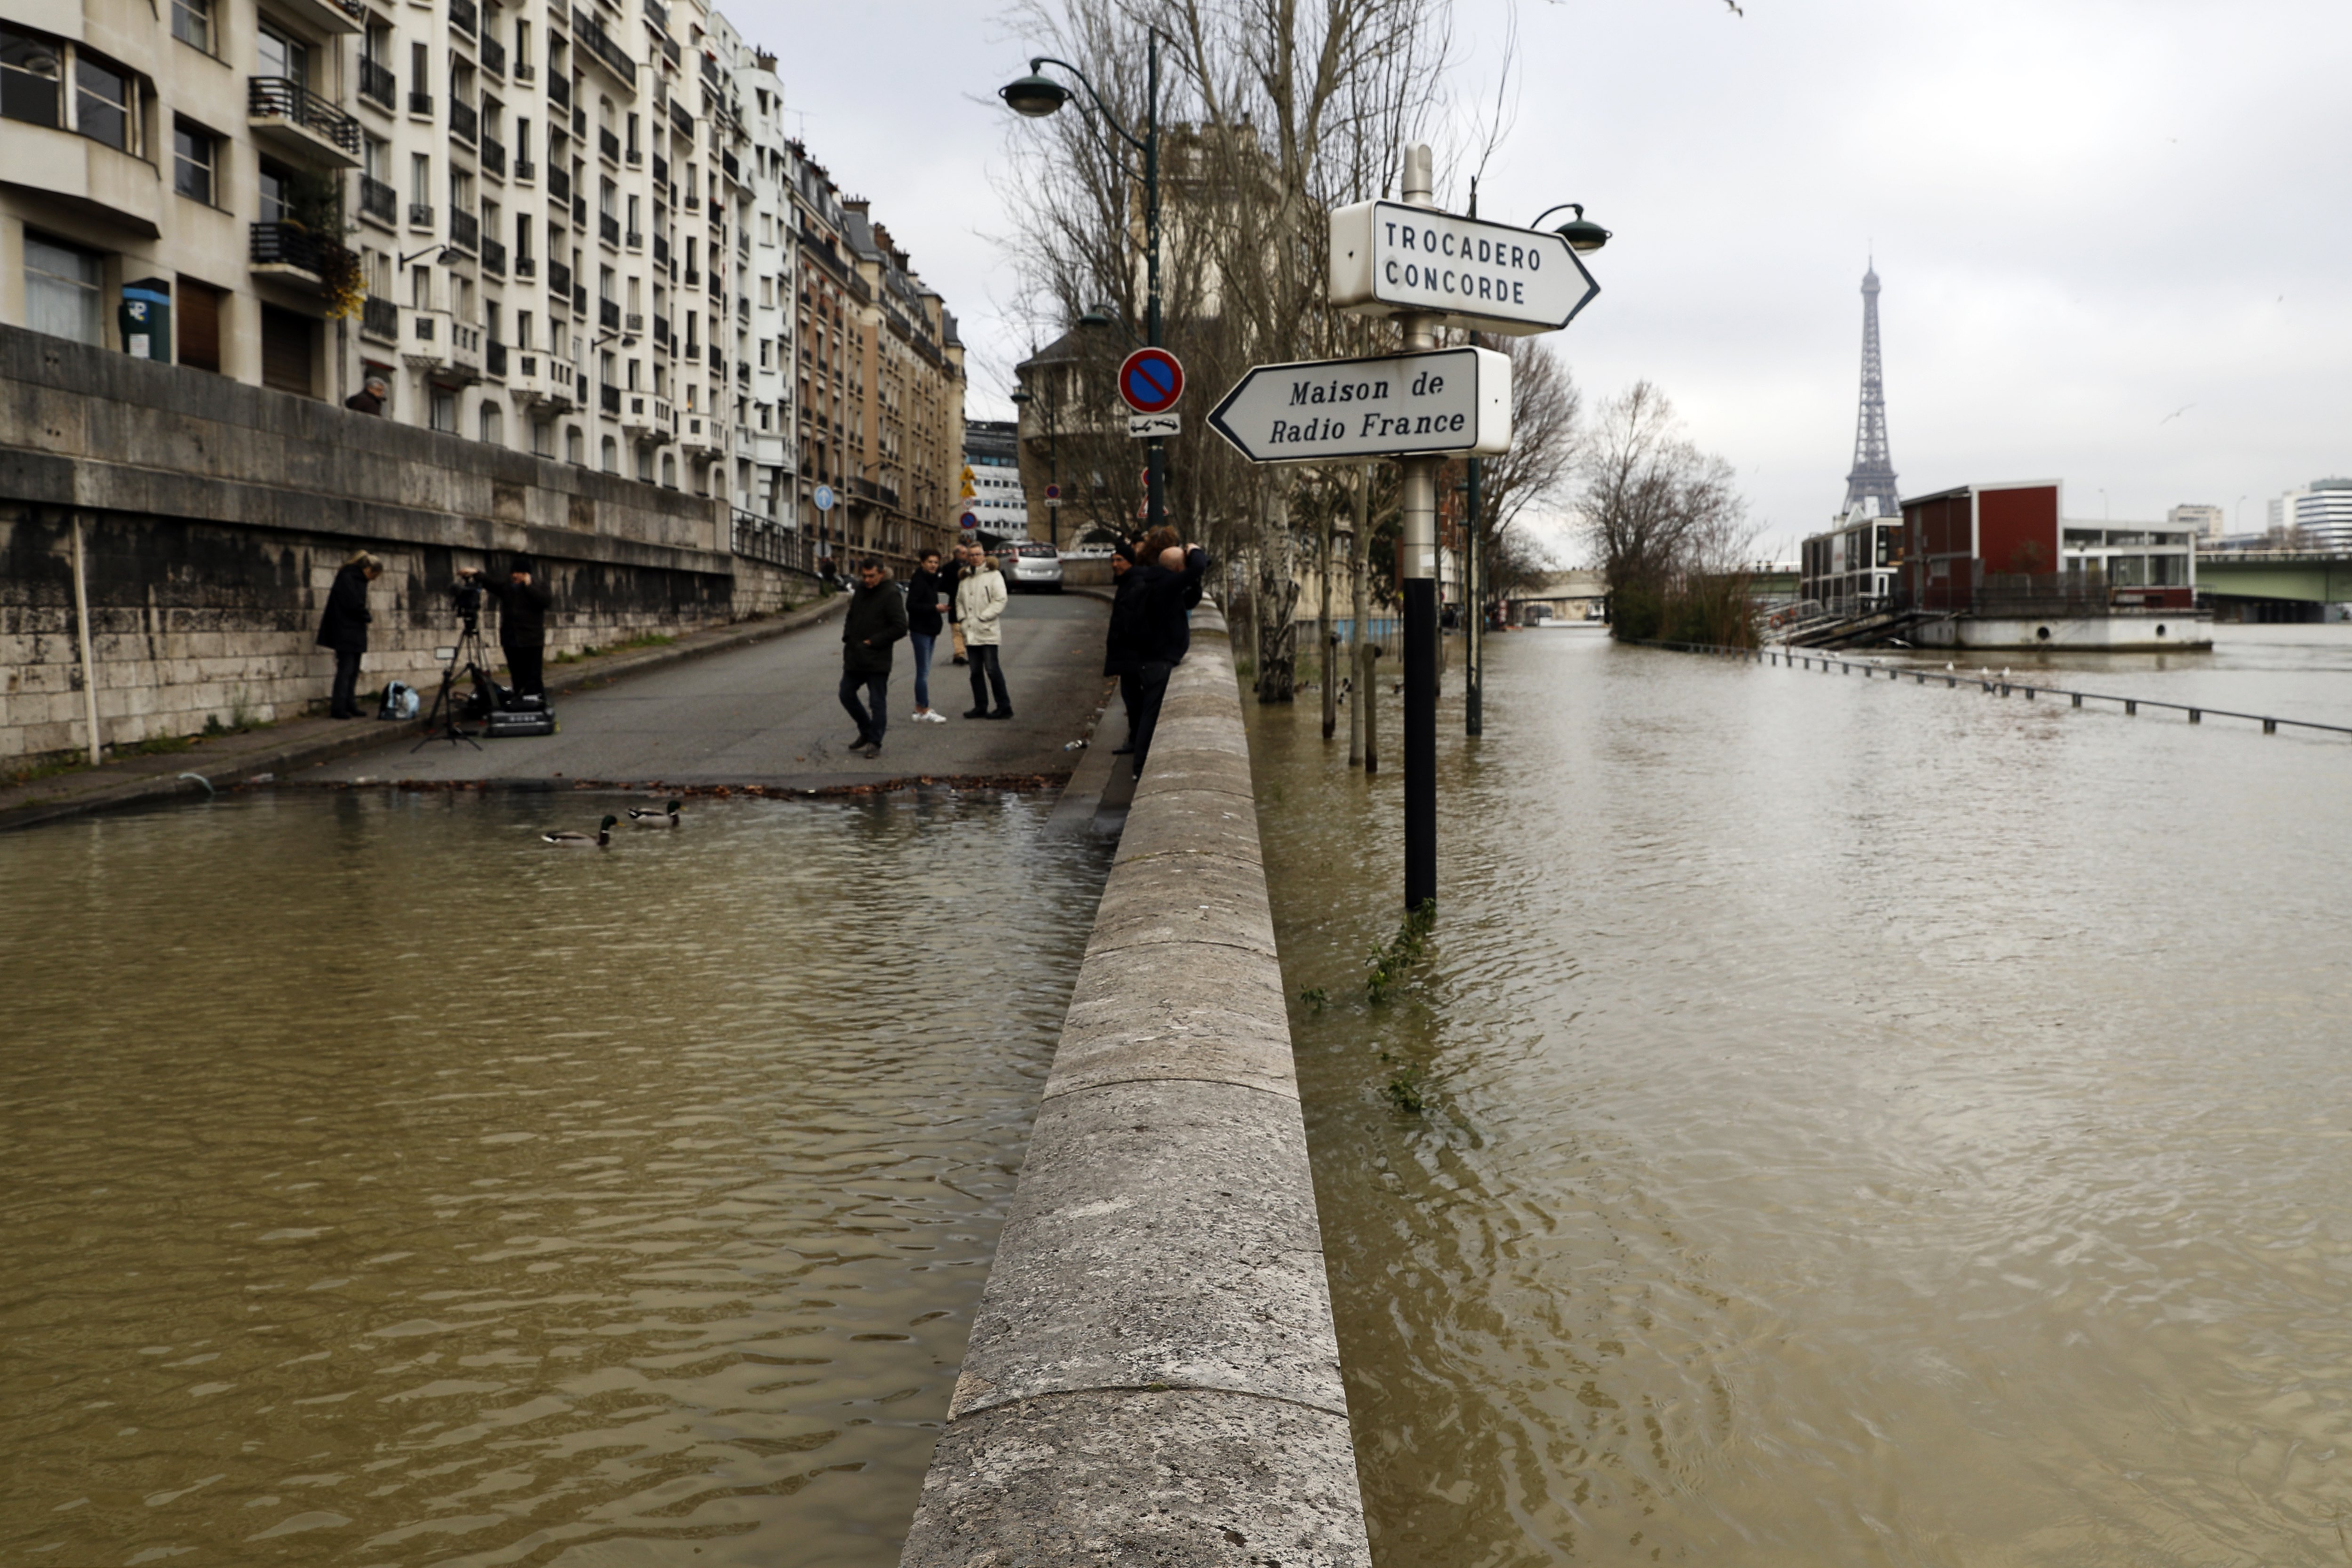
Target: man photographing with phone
[[522, 622]]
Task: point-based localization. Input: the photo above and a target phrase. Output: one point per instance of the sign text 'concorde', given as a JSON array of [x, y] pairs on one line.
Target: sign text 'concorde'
[[1387, 256], [1449, 402]]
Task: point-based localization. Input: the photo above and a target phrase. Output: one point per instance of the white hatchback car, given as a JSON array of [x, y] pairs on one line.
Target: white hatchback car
[[1032, 567]]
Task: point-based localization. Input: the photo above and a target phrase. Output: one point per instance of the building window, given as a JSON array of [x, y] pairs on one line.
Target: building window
[[575, 449], [494, 432], [281, 56], [612, 450], [193, 153], [644, 464], [543, 440], [443, 411], [29, 73], [61, 290], [191, 22]]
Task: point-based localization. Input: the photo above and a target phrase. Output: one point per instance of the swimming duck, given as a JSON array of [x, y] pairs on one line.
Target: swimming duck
[[596, 840], [646, 817]]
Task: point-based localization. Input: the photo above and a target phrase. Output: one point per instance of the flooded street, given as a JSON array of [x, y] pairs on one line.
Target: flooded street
[[381, 1185], [1865, 1123]]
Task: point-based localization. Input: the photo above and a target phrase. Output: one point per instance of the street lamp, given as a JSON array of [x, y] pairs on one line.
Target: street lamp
[[1581, 234], [1036, 96]]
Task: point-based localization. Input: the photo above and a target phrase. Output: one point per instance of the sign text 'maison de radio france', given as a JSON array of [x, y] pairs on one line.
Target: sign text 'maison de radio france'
[[1387, 256], [1449, 401]]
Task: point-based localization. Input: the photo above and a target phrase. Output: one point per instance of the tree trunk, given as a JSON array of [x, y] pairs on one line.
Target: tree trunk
[[1325, 673], [1359, 683], [1278, 595]]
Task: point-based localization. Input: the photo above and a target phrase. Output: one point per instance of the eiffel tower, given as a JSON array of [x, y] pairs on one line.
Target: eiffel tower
[[1871, 486]]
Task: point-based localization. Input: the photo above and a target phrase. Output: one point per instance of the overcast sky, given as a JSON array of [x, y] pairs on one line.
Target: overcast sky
[[2114, 238]]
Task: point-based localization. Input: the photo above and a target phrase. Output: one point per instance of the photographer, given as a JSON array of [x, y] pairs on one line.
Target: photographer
[[522, 621]]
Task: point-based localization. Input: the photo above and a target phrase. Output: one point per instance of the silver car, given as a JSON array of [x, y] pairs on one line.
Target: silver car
[[1032, 567]]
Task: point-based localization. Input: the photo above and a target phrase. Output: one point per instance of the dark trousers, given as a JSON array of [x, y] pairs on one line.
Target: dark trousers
[[987, 672], [1151, 686], [523, 662], [876, 687], [345, 702], [1130, 697]]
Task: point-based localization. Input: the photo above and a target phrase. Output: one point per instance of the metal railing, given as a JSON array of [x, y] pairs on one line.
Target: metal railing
[[421, 104], [494, 155], [757, 538], [633, 323], [276, 98], [526, 265], [609, 397], [380, 319], [608, 227], [496, 355], [465, 229], [494, 56], [378, 200], [377, 84], [658, 13], [596, 41], [634, 240], [525, 170], [464, 17], [420, 215], [608, 315], [559, 183], [608, 143], [558, 280], [464, 121], [290, 244], [558, 87], [494, 257]]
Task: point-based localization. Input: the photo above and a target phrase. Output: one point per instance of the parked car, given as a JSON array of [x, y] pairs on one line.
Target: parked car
[[1030, 567]]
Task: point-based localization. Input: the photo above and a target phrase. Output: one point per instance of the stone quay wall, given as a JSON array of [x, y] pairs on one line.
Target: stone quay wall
[[1153, 1374], [214, 517]]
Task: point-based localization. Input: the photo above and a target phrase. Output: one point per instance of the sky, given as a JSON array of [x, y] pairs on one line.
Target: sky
[[2115, 239]]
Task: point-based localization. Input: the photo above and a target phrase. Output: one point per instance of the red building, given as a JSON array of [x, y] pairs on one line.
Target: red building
[[1953, 539]]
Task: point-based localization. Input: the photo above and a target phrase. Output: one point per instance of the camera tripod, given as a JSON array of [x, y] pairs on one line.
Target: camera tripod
[[470, 655]]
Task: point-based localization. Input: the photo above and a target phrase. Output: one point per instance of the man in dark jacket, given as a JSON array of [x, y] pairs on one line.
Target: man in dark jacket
[[523, 623], [1122, 657], [876, 618], [344, 627], [1170, 588]]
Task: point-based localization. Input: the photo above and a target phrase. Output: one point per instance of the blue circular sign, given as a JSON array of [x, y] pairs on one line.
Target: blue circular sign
[[824, 498], [1150, 381]]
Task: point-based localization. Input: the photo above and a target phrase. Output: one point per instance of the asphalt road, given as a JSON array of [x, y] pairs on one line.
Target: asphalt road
[[770, 715]]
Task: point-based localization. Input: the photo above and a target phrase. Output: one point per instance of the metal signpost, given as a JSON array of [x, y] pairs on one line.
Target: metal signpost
[[1428, 269]]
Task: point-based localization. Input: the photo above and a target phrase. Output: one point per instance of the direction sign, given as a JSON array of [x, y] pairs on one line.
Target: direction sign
[[1150, 380], [824, 498], [1387, 256], [1451, 402], [1142, 425]]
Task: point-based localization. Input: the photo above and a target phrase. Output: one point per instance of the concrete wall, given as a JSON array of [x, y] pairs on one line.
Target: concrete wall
[[215, 515], [1153, 1374]]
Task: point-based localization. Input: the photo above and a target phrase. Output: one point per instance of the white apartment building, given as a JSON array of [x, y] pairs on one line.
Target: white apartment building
[[2322, 509], [2208, 522], [766, 445]]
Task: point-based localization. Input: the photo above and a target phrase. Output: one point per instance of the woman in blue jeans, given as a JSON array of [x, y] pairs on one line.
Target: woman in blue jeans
[[923, 629]]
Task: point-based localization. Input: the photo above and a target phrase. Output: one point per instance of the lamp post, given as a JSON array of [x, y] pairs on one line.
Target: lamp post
[[1037, 95]]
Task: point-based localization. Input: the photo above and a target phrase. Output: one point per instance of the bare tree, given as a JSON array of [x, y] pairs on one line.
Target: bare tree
[[1547, 446], [1664, 522]]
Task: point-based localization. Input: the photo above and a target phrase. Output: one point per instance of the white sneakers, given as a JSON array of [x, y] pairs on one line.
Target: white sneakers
[[930, 716]]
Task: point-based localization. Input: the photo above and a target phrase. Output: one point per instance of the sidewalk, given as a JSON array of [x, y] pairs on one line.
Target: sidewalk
[[225, 761]]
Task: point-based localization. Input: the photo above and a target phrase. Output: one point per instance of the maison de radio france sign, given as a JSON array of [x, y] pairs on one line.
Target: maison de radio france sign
[[1388, 257], [1438, 401]]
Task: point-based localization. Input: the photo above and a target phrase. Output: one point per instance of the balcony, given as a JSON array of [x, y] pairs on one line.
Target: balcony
[[380, 320], [494, 56], [420, 215], [661, 250], [465, 229], [525, 71], [698, 435], [580, 299], [328, 17], [608, 315], [378, 85], [580, 211], [545, 380], [603, 51], [734, 170], [494, 359], [661, 171], [559, 183], [379, 201], [559, 281], [442, 346], [658, 15], [634, 157], [718, 360], [608, 228], [494, 156], [640, 417], [296, 120], [289, 250], [420, 105], [634, 240], [634, 323], [494, 257], [464, 17], [526, 171], [608, 397], [464, 122], [559, 89], [693, 278], [608, 143], [526, 265], [661, 332]]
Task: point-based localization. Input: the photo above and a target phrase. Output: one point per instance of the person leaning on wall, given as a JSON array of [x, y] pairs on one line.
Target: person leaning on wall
[[344, 630]]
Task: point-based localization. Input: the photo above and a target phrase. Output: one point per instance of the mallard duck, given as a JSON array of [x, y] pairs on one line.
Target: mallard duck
[[646, 817], [596, 840]]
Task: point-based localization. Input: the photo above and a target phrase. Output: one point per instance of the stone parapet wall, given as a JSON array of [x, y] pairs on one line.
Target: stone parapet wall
[[1153, 1374]]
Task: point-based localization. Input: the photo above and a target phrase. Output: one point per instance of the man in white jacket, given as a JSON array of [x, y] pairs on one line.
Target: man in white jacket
[[980, 609]]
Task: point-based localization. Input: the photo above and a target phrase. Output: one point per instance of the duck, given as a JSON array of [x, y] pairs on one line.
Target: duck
[[569, 840], [646, 817]]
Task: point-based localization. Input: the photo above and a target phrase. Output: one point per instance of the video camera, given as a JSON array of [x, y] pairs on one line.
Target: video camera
[[468, 594]]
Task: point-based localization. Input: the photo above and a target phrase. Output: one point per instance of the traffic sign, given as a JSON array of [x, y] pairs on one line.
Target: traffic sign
[[1387, 256], [1144, 426], [1455, 402], [1150, 380], [824, 498], [1052, 495], [968, 520]]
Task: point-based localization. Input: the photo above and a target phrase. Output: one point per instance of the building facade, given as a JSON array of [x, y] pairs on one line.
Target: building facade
[[2209, 522], [571, 231], [2321, 511], [997, 504]]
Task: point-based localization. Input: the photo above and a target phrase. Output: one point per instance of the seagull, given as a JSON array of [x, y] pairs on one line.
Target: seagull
[[2181, 410]]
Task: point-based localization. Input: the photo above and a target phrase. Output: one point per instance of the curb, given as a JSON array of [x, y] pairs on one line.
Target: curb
[[327, 745]]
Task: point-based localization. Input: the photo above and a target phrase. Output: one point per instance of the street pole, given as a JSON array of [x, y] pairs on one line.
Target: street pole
[[1420, 573], [1156, 457], [1474, 631]]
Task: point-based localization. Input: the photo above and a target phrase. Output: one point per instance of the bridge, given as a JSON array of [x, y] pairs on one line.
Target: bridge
[[2277, 584]]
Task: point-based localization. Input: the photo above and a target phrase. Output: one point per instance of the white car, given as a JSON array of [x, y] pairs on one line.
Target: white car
[[1031, 566]]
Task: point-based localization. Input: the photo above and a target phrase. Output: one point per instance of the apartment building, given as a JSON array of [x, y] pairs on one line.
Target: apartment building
[[576, 231]]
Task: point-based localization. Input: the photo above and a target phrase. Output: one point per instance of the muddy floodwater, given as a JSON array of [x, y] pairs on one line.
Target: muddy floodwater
[[1864, 1124], [380, 1185]]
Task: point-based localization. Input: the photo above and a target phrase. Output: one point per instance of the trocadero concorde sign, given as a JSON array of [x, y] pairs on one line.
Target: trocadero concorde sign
[[1455, 402], [1388, 257]]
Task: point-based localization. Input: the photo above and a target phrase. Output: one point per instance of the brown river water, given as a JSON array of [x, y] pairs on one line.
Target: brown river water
[[1866, 1124], [380, 1185]]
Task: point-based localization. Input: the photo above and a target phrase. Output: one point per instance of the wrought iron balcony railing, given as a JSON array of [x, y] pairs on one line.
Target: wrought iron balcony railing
[[465, 121], [464, 17], [494, 155], [608, 315], [276, 98], [380, 319], [292, 245], [494, 257], [377, 84], [609, 227], [465, 229], [378, 200]]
